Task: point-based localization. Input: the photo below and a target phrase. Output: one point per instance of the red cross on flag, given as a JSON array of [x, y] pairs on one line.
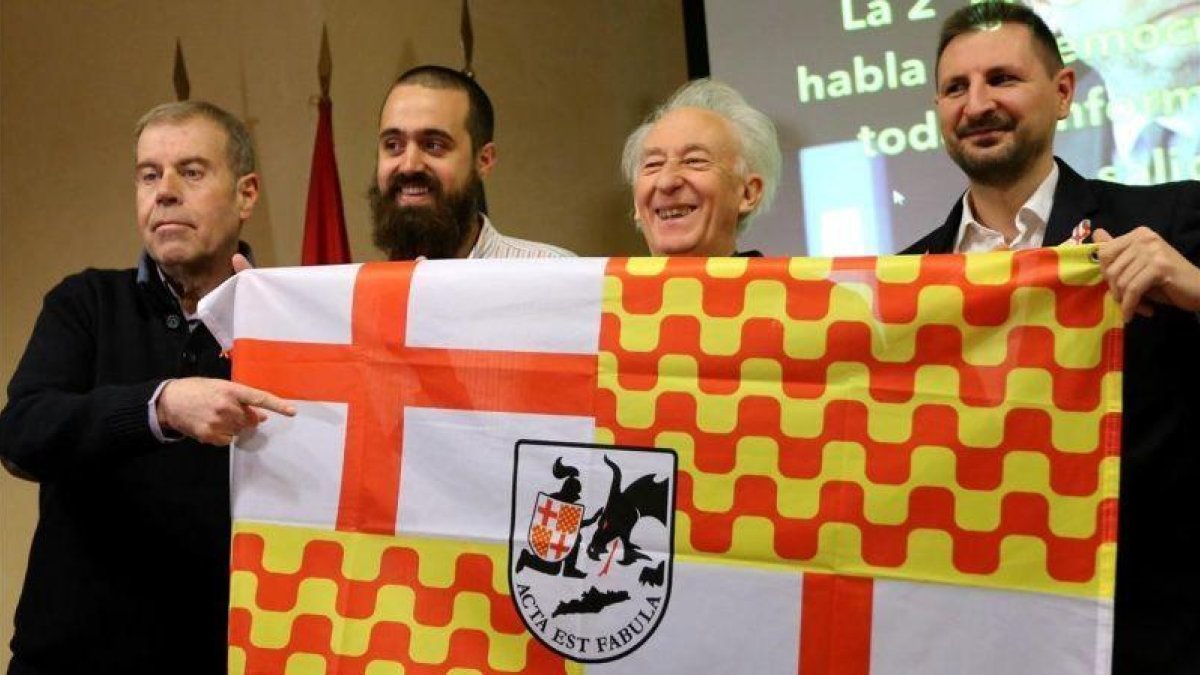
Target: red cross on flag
[[399, 379]]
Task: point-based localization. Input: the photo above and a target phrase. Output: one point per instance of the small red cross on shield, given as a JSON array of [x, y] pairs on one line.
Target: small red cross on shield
[[553, 527]]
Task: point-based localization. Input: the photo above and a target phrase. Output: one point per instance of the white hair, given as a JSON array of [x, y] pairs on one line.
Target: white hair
[[758, 144]]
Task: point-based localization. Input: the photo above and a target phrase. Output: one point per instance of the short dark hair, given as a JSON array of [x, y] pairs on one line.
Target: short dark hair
[[239, 149], [988, 14], [481, 119]]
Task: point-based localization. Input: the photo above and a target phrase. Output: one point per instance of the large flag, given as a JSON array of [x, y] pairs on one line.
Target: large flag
[[325, 239], [825, 466]]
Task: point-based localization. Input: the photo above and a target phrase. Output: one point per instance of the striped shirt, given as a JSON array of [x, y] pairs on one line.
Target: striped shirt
[[492, 244]]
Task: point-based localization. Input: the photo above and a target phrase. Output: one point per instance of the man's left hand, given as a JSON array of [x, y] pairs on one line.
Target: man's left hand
[[1141, 267]]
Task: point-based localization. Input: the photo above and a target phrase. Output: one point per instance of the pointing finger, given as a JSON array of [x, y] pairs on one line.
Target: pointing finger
[[261, 399]]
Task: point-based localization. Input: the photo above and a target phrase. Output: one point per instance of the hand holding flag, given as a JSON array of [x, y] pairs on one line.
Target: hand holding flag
[[1141, 267]]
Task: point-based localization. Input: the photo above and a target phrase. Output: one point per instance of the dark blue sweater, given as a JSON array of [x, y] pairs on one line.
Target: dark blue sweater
[[128, 570]]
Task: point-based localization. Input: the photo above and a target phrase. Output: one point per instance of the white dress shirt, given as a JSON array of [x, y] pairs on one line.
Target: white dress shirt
[[975, 237]]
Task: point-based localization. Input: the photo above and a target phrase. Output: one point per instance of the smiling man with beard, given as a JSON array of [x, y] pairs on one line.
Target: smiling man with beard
[[1001, 89], [435, 149]]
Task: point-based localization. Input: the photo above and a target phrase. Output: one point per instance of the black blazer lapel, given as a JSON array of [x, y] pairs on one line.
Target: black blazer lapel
[[943, 238], [1073, 202]]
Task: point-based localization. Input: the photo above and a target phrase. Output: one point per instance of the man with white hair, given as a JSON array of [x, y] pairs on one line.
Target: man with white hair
[[701, 167]]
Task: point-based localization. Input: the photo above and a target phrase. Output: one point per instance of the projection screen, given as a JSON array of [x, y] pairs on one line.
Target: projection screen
[[850, 85]]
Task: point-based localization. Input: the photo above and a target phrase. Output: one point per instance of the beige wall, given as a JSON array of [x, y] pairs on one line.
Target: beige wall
[[569, 78]]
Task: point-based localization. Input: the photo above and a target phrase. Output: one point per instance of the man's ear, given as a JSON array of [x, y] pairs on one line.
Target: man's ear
[[485, 160], [1064, 83], [752, 193], [247, 195]]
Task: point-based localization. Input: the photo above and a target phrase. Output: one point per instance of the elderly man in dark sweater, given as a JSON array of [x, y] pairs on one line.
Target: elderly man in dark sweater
[[120, 409]]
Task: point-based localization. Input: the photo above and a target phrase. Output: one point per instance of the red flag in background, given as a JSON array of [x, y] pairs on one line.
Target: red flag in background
[[324, 222]]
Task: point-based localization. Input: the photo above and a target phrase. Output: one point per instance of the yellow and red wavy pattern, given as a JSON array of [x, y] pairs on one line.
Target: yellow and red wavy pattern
[[937, 418], [315, 601]]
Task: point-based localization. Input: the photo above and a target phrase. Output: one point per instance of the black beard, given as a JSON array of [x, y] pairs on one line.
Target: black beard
[[436, 231], [996, 171]]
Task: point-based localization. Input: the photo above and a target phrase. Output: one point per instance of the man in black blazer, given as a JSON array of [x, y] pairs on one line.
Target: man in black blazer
[[1001, 88]]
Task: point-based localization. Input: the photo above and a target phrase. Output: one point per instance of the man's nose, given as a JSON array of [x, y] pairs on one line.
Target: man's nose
[[412, 160], [979, 100], [669, 176], [167, 191]]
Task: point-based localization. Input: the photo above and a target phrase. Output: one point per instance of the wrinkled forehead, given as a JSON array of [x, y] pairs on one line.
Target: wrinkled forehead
[[190, 137], [691, 130]]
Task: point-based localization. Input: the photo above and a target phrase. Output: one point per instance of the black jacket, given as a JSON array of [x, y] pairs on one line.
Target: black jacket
[[129, 566], [1157, 620]]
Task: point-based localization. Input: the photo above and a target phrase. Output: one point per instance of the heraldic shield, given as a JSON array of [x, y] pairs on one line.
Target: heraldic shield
[[591, 545], [553, 527]]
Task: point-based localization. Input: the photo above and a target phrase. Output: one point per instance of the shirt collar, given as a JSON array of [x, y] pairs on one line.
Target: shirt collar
[[146, 264], [1031, 217], [487, 238], [148, 270]]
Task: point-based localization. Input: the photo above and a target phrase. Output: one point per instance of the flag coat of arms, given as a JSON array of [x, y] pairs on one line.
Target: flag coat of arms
[[552, 527], [818, 466]]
